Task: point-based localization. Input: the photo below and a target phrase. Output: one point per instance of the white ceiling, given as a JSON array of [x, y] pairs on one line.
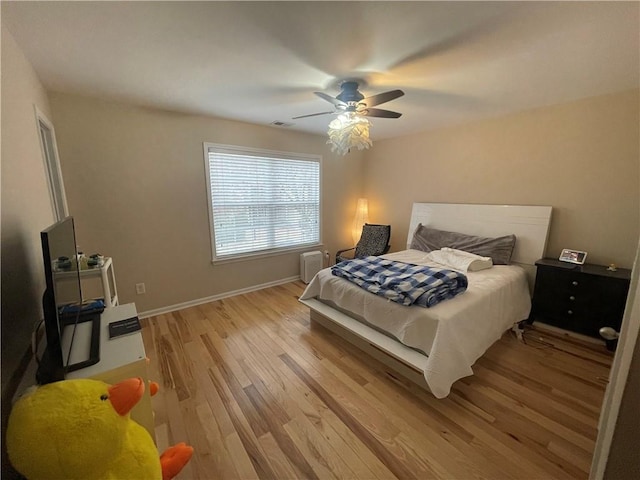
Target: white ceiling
[[260, 62]]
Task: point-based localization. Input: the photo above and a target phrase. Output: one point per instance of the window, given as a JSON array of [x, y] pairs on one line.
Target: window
[[261, 201]]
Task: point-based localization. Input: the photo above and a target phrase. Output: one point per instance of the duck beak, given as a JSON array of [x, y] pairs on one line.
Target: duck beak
[[126, 394]]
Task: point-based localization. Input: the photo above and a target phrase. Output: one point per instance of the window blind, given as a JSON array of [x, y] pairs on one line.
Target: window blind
[[262, 202]]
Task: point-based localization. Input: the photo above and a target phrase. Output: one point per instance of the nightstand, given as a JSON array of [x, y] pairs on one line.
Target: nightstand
[[580, 298]]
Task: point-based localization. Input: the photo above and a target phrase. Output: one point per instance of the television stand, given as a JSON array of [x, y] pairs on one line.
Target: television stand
[[120, 358]]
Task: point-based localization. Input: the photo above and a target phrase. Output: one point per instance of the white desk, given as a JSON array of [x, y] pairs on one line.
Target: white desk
[[121, 358]]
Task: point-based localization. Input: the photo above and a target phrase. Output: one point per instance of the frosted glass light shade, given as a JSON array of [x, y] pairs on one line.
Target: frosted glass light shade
[[348, 131], [362, 217]]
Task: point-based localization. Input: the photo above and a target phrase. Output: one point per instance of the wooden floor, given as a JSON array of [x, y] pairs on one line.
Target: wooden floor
[[261, 393]]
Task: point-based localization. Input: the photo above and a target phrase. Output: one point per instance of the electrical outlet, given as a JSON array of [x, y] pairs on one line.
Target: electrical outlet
[[140, 288], [326, 254]]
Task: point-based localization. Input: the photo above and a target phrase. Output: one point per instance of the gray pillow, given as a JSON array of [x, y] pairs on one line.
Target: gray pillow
[[499, 249]]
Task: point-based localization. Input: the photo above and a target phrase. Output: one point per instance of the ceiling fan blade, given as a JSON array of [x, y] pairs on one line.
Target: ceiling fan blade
[[378, 112], [311, 115], [330, 99], [382, 98]]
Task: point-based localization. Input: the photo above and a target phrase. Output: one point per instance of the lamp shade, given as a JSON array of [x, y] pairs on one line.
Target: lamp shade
[[362, 217], [348, 131]]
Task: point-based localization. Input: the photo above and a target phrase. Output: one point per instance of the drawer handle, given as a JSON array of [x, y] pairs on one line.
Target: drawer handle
[[570, 312], [572, 298], [574, 283]]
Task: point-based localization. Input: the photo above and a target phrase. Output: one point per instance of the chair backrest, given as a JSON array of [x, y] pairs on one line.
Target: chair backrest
[[374, 240]]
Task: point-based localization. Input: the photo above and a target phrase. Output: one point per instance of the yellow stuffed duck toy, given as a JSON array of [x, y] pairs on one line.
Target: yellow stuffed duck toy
[[80, 429]]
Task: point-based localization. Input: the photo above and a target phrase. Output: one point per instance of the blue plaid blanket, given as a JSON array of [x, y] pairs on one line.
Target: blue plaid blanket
[[402, 282]]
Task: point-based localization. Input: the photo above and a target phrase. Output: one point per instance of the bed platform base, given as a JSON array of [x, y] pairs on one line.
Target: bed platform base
[[530, 225], [403, 360]]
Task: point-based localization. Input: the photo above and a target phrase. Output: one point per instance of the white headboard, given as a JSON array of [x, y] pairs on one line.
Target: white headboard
[[530, 224]]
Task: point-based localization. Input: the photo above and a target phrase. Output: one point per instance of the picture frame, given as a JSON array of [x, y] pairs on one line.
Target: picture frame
[[573, 256]]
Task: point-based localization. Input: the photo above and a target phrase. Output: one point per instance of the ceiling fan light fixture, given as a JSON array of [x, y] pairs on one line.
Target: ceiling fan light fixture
[[349, 130]]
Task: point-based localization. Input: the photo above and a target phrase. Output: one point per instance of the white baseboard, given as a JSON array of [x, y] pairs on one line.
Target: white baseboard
[[569, 333], [213, 298]]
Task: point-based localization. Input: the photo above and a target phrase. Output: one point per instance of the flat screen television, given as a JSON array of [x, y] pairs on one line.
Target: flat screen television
[[62, 306]]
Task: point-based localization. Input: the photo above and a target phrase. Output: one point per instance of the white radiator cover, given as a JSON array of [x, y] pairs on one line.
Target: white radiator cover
[[310, 264]]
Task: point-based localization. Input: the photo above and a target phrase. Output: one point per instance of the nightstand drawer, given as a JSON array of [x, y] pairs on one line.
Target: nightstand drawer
[[561, 308]]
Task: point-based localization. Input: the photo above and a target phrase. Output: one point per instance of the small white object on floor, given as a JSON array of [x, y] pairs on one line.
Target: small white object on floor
[[518, 331]]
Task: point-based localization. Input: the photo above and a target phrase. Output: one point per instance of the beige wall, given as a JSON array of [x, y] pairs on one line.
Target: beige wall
[[581, 158], [26, 206], [135, 182]]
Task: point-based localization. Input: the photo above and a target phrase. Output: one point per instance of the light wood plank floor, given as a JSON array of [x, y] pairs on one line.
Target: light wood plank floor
[[261, 393]]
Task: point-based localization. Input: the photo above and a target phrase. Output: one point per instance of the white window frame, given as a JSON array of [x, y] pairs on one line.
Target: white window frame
[[238, 150], [51, 159]]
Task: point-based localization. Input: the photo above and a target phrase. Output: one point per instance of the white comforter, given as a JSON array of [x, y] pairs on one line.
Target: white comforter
[[454, 333]]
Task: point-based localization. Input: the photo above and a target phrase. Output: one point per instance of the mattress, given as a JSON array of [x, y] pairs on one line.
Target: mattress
[[454, 333]]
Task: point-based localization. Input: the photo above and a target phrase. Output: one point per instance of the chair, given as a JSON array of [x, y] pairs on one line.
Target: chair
[[373, 241]]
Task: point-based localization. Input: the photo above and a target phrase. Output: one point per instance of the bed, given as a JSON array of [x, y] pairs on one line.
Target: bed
[[436, 346]]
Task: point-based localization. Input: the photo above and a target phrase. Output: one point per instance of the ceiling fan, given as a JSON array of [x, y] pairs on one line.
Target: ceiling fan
[[351, 100]]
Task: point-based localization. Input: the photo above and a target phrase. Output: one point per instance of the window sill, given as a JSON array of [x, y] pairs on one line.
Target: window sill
[[267, 254]]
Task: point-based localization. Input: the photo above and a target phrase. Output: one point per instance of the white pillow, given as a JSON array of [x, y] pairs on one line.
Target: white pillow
[[460, 260]]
